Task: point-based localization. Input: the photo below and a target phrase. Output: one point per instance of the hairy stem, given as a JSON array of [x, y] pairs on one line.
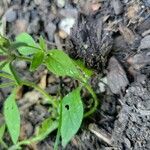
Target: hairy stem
[[93, 109]]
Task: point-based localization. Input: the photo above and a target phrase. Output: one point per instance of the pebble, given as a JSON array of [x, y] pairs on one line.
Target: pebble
[[60, 3], [132, 11], [1, 11], [139, 60], [21, 26], [10, 15], [147, 2], [38, 2], [34, 26], [118, 7], [21, 64], [62, 34], [69, 12], [26, 129], [145, 42], [50, 30], [66, 24], [102, 84], [117, 79], [95, 6]]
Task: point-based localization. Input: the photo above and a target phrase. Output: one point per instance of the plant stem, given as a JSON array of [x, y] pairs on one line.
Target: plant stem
[[85, 83], [36, 138], [93, 109], [14, 73], [7, 84], [57, 141], [3, 65], [45, 94], [5, 75], [23, 58]]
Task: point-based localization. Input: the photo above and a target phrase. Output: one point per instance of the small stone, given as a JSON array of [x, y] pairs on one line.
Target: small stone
[[62, 34], [69, 12], [34, 26], [117, 79], [127, 143], [145, 42], [26, 130], [51, 79], [95, 6], [21, 64], [118, 7], [128, 34], [10, 15], [147, 2], [132, 11], [50, 29], [1, 11], [38, 2], [139, 60], [21, 26], [66, 24], [102, 84], [60, 3]]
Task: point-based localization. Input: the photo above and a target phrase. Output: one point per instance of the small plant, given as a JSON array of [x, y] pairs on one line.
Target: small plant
[[70, 111]]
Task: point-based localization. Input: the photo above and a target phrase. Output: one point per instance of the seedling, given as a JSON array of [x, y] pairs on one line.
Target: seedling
[[70, 112]]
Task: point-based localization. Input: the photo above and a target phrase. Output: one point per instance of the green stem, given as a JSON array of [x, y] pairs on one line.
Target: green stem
[[3, 49], [3, 65], [5, 75], [93, 109], [14, 73], [45, 94], [57, 141], [84, 83], [37, 138], [23, 58], [4, 85]]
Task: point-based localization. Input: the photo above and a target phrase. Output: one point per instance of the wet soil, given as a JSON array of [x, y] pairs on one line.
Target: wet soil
[[112, 37]]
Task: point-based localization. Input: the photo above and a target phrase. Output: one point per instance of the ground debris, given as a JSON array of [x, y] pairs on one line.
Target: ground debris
[[145, 42], [132, 126], [118, 7], [116, 76], [139, 60]]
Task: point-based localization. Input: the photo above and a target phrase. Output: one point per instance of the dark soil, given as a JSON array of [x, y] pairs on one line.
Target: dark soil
[[110, 36]]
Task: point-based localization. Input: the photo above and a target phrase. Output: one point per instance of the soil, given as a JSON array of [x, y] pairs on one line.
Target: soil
[[112, 37]]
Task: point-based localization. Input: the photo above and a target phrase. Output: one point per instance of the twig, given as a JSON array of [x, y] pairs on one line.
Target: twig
[[102, 136]]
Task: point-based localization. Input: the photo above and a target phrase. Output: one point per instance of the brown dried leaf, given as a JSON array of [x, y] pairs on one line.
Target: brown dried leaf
[[127, 34]]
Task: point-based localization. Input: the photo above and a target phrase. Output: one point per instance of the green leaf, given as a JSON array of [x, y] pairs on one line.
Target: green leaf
[[5, 68], [37, 60], [72, 115], [4, 42], [26, 39], [2, 64], [81, 65], [2, 131], [60, 64], [42, 43], [47, 126], [12, 117]]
